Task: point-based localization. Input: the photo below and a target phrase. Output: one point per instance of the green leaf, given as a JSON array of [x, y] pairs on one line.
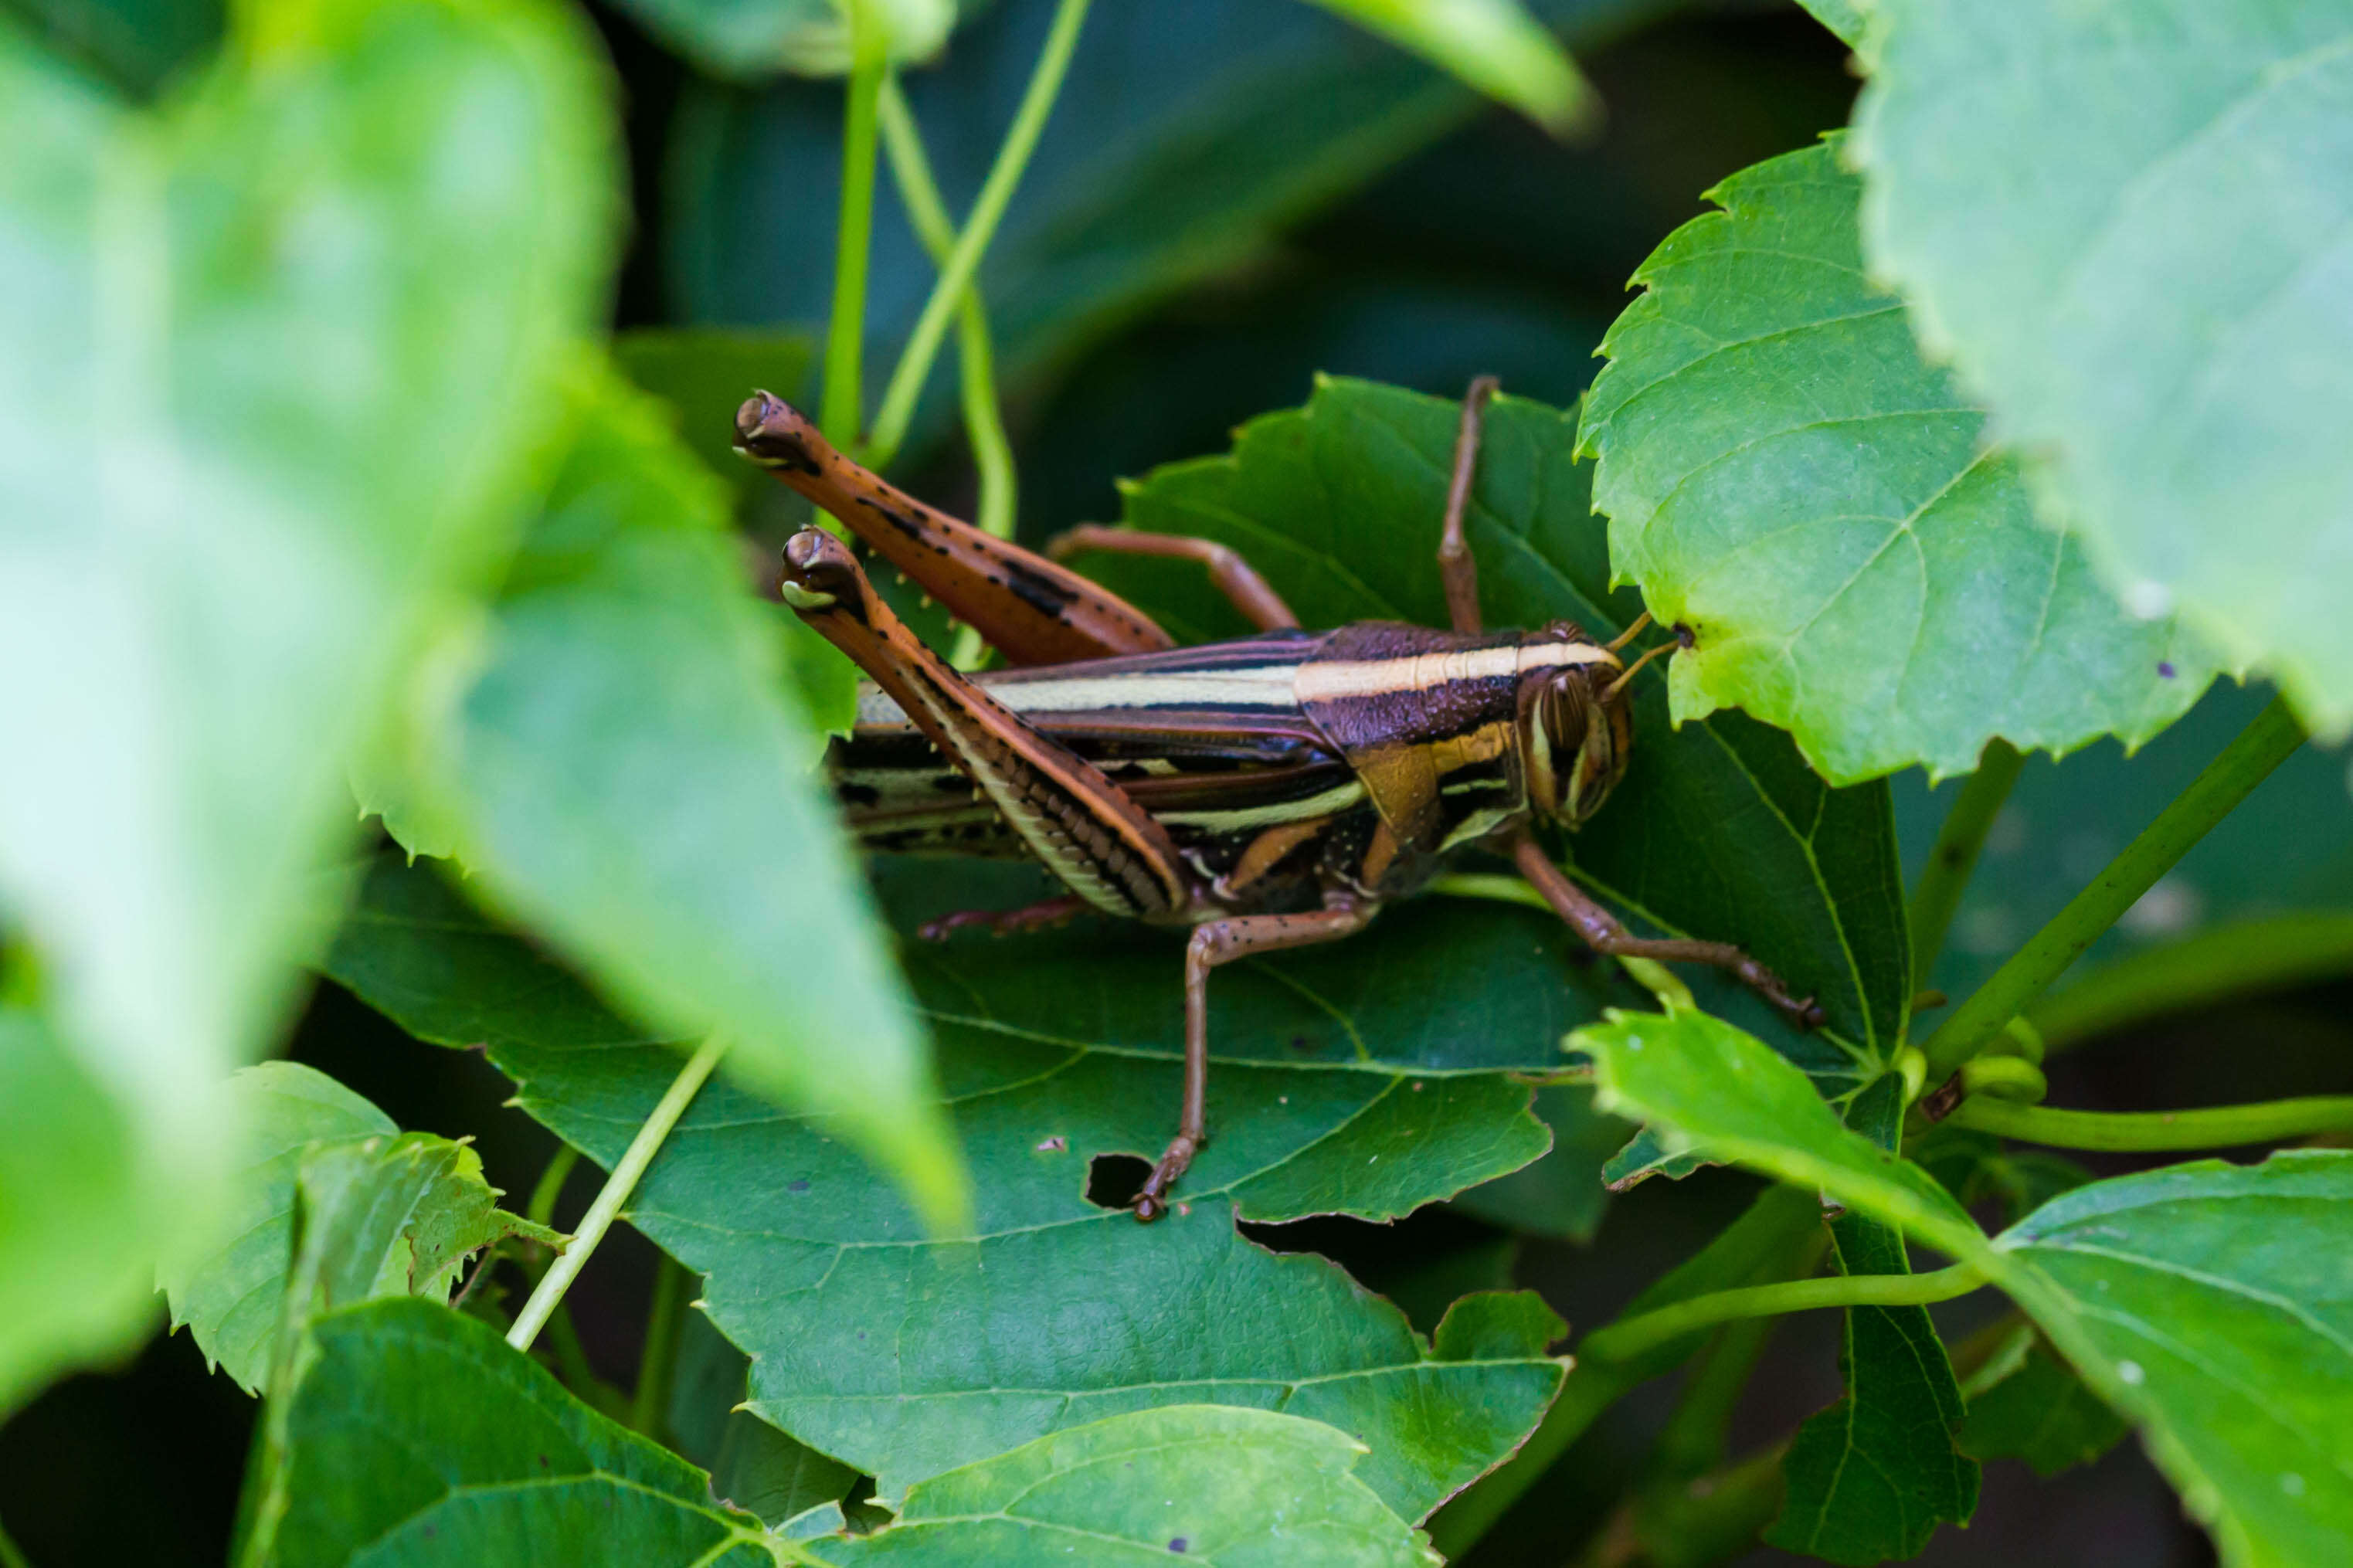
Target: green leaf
[[413, 1434], [1719, 831], [230, 1297], [278, 360], [77, 1231], [1560, 1195], [138, 45], [750, 39], [1707, 1087], [1844, 17], [635, 779], [904, 1355], [2208, 1303], [704, 373], [1868, 1479], [1494, 45], [1224, 1485], [2027, 1404], [1979, 1169], [753, 1465], [2205, 1301], [1787, 477], [2161, 315], [1157, 172], [394, 1215], [379, 1214]]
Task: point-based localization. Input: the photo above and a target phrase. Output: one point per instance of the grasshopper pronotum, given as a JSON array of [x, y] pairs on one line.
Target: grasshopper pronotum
[[1268, 793]]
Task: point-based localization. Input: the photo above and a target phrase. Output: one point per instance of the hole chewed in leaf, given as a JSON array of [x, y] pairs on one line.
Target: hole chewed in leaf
[[1113, 1180]]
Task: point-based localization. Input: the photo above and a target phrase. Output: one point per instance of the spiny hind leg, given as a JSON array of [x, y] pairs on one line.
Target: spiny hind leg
[[1221, 941]]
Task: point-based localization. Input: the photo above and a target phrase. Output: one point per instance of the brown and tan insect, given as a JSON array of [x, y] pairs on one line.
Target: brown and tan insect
[[1267, 793]]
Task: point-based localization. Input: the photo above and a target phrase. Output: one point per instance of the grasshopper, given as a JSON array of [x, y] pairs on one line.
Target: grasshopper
[[1267, 793]]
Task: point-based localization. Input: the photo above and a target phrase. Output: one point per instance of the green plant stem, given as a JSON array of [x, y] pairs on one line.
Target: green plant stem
[[10, 1556], [957, 273], [2243, 959], [544, 1192], [658, 1358], [2245, 762], [614, 1192], [1955, 857], [2210, 1127], [983, 419], [1758, 1245], [1629, 1337], [841, 412]]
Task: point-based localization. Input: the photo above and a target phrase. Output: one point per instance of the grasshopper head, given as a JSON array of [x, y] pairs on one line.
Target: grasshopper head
[[1577, 729]]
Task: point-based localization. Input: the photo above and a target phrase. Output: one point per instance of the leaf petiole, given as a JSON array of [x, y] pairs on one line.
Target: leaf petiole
[[2211, 1127], [1629, 1337], [614, 1192], [2237, 769], [957, 273]]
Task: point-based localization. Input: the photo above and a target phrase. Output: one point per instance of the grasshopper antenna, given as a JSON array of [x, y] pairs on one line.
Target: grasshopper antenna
[[1631, 631], [1683, 639]]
